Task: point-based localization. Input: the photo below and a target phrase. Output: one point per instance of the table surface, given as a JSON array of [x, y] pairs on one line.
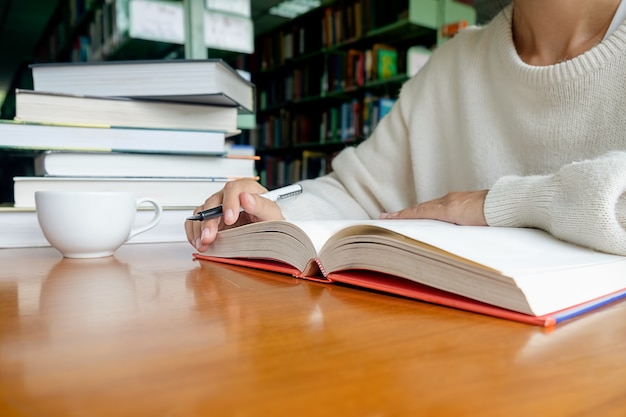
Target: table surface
[[151, 332]]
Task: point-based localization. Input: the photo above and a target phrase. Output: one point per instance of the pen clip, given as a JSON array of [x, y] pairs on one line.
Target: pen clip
[[289, 194]]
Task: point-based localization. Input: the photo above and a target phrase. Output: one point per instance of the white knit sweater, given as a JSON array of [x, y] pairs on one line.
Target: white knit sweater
[[548, 142]]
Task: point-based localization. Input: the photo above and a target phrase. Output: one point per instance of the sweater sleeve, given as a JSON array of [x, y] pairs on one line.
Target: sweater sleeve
[[583, 202], [322, 198]]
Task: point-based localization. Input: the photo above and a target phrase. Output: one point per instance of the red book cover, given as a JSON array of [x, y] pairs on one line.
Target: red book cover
[[405, 288], [518, 274]]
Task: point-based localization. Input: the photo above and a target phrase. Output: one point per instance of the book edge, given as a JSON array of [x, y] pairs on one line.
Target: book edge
[[398, 286]]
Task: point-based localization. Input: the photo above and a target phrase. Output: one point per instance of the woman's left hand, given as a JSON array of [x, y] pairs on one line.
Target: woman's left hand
[[463, 208]]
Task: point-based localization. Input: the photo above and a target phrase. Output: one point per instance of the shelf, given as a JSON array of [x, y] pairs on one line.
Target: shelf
[[318, 90], [396, 33], [130, 48], [384, 87]]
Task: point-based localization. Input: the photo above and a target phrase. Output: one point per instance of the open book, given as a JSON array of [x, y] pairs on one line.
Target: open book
[[519, 274]]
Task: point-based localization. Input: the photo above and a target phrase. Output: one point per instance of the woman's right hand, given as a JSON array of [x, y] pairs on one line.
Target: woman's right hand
[[243, 193]]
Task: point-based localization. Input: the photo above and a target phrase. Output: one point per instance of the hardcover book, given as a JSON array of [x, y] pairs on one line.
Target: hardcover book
[[387, 60], [102, 138], [122, 164], [204, 81], [172, 192], [514, 273], [47, 107]]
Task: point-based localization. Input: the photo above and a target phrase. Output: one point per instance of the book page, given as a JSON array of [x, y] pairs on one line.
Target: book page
[[501, 248], [525, 270], [320, 231], [511, 251], [520, 263]]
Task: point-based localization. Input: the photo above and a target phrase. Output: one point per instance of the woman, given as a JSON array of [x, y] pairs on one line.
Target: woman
[[519, 123]]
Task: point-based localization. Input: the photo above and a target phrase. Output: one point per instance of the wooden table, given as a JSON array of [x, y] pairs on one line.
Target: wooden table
[[150, 332]]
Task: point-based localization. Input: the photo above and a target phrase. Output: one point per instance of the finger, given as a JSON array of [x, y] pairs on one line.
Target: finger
[[202, 234], [194, 230], [191, 229], [190, 232], [465, 208], [231, 202], [428, 210], [259, 208], [207, 234]]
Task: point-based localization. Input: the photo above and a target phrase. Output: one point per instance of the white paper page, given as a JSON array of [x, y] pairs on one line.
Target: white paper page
[[320, 231], [500, 248]]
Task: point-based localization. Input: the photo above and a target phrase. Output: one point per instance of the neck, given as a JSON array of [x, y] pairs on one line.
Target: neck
[[547, 32]]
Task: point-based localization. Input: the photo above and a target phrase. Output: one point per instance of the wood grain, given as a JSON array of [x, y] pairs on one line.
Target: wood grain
[[150, 332]]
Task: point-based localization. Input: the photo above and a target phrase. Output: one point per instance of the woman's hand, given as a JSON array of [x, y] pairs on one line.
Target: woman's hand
[[237, 194], [464, 208]]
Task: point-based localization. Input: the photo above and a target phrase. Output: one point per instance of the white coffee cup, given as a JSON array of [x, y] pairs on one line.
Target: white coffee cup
[[85, 224]]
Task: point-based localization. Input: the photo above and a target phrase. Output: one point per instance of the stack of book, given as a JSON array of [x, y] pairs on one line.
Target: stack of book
[[161, 129]]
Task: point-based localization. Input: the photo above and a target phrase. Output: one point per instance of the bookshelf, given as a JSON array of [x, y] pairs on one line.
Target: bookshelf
[[325, 78], [97, 30], [315, 97], [86, 30]]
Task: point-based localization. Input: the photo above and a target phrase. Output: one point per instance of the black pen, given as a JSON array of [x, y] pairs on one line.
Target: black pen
[[274, 195]]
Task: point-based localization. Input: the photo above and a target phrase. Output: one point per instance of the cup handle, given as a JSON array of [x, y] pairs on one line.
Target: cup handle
[[158, 212]]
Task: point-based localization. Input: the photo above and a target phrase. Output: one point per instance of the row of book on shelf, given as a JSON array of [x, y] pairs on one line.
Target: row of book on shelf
[[335, 25], [279, 171], [160, 129], [338, 71], [349, 122], [86, 30]]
